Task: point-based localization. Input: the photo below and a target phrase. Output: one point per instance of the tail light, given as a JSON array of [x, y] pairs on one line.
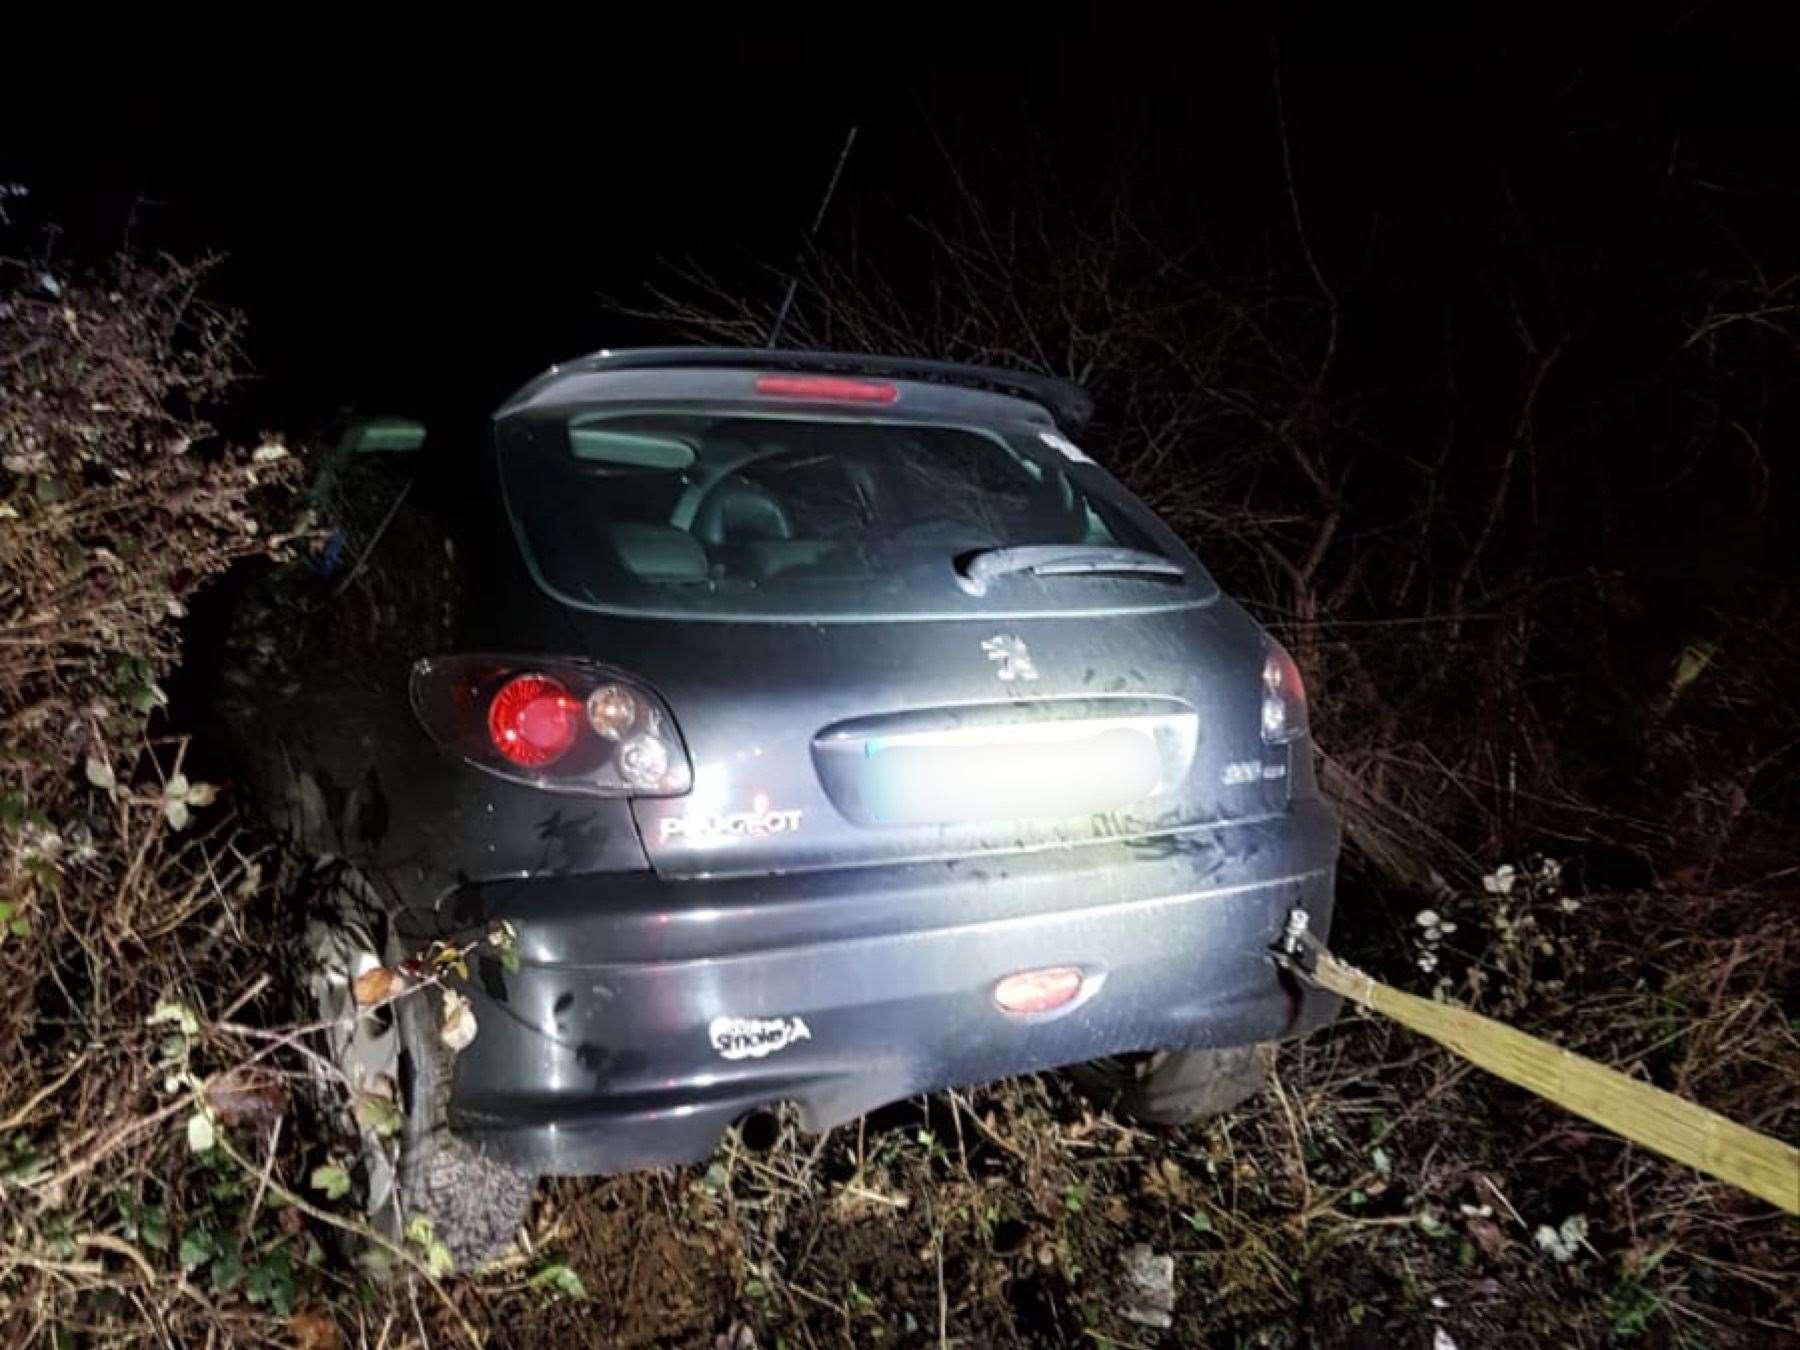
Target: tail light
[[564, 725], [1284, 699]]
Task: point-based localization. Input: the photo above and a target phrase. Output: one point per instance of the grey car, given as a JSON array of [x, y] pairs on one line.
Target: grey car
[[829, 729]]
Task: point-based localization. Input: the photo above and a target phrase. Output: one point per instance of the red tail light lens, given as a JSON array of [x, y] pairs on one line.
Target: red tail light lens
[[826, 388], [532, 721], [1037, 991], [1284, 699]]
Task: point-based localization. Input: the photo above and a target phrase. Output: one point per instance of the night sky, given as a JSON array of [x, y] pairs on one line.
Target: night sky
[[424, 236]]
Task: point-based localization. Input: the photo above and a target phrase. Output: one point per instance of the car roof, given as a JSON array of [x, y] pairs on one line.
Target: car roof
[[1068, 403]]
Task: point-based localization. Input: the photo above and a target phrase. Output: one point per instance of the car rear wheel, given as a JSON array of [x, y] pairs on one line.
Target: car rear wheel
[[1174, 1087], [476, 1204]]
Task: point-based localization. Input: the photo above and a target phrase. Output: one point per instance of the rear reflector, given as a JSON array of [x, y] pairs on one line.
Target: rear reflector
[[826, 388], [1036, 991]]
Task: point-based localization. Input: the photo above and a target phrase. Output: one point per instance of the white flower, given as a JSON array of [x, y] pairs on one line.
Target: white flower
[[1426, 918], [1565, 1243], [200, 1133], [1428, 961], [1500, 880]]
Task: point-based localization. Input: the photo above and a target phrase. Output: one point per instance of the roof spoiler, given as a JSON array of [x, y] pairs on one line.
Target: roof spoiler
[[1067, 402]]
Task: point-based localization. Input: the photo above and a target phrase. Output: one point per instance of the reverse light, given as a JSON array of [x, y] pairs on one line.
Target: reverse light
[[565, 725], [613, 710], [826, 388], [644, 762], [1284, 699], [1038, 991]]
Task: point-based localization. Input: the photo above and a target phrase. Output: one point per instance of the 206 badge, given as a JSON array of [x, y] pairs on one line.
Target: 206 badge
[[755, 1037]]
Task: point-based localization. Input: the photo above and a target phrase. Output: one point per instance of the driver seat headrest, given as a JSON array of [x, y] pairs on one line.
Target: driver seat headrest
[[738, 512]]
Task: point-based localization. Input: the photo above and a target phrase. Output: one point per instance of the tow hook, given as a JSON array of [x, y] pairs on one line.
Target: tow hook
[[1296, 945], [1297, 922]]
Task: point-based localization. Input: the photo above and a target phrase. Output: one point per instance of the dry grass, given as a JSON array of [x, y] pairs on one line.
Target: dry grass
[[1381, 1191]]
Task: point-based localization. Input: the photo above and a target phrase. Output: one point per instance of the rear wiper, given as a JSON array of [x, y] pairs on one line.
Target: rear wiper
[[975, 570]]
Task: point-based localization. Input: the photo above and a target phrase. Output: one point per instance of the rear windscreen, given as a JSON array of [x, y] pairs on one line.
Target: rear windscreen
[[787, 516]]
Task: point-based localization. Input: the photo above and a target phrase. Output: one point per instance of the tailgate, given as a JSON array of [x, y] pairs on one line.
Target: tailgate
[[838, 745]]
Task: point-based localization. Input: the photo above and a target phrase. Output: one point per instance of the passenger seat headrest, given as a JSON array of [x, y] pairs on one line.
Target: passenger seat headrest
[[657, 552]]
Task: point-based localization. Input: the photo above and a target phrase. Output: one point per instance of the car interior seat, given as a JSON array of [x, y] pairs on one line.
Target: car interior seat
[[737, 511]]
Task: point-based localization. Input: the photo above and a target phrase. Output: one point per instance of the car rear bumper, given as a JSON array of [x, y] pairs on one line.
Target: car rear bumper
[[648, 1015]]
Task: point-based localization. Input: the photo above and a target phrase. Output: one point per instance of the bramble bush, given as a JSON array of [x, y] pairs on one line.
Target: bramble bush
[[117, 501], [120, 892]]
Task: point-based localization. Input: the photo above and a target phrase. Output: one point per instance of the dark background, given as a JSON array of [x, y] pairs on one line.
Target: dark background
[[421, 233]]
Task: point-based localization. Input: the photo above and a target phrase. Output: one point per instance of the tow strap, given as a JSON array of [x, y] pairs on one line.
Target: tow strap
[[1660, 1121]]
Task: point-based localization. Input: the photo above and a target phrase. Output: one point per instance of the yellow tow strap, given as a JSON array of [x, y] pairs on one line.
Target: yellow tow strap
[[1646, 1115]]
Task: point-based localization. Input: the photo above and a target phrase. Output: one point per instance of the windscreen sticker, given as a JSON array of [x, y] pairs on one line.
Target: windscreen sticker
[[1064, 446], [755, 1037]]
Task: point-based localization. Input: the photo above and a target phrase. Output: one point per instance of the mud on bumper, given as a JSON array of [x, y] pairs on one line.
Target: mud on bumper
[[648, 1015]]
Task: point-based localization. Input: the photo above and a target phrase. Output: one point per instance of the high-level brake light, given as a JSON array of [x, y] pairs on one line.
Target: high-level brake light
[[826, 388]]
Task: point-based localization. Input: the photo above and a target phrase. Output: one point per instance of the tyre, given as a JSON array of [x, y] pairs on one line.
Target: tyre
[[476, 1204], [1174, 1087]]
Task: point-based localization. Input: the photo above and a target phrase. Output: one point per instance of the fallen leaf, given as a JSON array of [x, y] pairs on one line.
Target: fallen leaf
[[438, 1260], [458, 1027], [313, 1331], [561, 1278], [169, 1010], [378, 1113], [376, 985], [1486, 1234], [331, 1180], [1149, 1288], [243, 1098]]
